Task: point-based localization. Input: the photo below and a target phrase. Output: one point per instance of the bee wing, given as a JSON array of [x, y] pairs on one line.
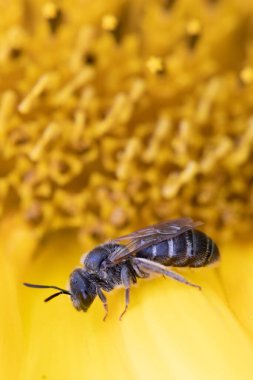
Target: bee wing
[[145, 237]]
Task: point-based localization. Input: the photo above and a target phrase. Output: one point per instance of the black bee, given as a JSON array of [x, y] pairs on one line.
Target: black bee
[[122, 261]]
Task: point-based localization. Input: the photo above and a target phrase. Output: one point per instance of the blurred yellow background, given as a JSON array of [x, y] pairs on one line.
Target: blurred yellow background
[[115, 115]]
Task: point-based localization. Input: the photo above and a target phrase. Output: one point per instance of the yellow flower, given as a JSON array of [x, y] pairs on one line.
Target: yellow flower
[[115, 115], [170, 330]]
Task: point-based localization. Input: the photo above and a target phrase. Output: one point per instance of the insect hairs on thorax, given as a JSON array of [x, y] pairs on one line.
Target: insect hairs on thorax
[[101, 271]]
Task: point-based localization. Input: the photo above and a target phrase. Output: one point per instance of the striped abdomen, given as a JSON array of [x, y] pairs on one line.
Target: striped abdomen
[[190, 249]]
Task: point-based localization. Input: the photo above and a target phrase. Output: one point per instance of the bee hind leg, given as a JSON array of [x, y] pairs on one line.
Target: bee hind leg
[[103, 298], [153, 267]]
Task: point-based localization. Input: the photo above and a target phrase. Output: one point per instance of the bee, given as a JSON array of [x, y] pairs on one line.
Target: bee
[[122, 261]]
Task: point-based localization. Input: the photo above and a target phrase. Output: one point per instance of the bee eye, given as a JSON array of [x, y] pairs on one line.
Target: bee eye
[[84, 295]]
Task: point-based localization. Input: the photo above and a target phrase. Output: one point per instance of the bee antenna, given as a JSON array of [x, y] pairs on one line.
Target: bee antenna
[[61, 291], [55, 295]]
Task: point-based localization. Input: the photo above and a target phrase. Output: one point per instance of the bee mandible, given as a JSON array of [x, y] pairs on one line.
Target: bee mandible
[[151, 250]]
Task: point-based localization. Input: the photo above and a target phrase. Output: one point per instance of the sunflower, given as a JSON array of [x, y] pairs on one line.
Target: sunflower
[[113, 116]]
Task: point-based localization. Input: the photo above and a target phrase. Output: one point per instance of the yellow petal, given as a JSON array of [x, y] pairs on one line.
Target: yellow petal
[[16, 246], [237, 278], [170, 330]]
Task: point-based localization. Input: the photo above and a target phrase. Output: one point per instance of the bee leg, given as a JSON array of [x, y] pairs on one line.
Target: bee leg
[[104, 301], [138, 271], [127, 299], [126, 281], [153, 267]]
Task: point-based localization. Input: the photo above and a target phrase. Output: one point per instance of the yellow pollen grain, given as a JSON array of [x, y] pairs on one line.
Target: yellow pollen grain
[[130, 152], [211, 160], [42, 85], [50, 133], [50, 10], [176, 181], [80, 119], [109, 22], [118, 113], [155, 65], [246, 75], [206, 101], [161, 131], [7, 108], [193, 27], [244, 148], [137, 90], [80, 79]]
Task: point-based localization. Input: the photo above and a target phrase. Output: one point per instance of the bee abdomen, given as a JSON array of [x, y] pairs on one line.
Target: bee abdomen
[[204, 250], [192, 248]]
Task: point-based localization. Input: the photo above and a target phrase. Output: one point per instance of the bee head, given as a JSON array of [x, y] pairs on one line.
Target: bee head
[[82, 290]]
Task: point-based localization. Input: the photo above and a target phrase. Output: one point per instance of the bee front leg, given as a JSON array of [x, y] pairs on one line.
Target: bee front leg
[[104, 301], [126, 281]]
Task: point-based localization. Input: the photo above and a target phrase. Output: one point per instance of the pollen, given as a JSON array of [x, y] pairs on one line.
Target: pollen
[[193, 27], [109, 22], [109, 132], [246, 75], [50, 10], [155, 65]]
